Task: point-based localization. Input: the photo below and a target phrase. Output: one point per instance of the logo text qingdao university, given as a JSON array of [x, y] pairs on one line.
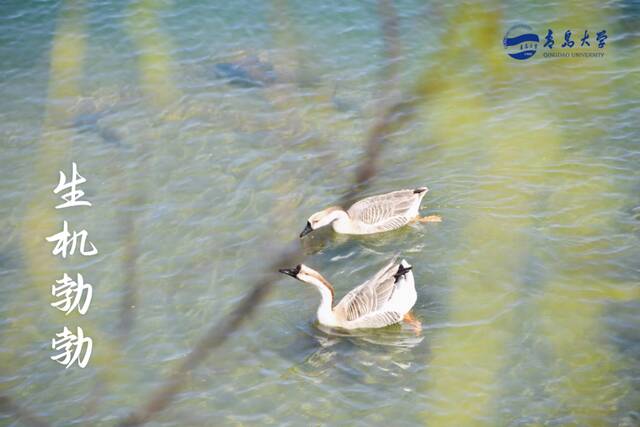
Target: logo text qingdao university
[[520, 42]]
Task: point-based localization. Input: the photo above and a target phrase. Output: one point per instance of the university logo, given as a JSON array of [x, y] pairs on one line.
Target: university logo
[[521, 42]]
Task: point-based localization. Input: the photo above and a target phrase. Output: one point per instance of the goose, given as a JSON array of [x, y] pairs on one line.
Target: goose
[[383, 300], [375, 214]]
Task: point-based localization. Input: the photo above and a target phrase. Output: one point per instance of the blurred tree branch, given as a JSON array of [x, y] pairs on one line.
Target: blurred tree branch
[[394, 113], [8, 406]]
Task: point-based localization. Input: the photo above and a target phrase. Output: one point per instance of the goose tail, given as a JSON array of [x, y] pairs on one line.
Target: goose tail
[[420, 190]]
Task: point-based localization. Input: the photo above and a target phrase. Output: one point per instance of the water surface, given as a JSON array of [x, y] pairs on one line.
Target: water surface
[[527, 291]]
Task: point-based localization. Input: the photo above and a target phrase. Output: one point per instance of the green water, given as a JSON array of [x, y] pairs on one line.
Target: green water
[[528, 291]]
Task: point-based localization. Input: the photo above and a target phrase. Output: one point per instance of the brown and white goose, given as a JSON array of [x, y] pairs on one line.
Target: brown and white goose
[[383, 300], [376, 214]]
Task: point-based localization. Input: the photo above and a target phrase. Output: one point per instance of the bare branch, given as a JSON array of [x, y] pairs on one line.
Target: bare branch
[[8, 406], [392, 46], [215, 337], [393, 115]]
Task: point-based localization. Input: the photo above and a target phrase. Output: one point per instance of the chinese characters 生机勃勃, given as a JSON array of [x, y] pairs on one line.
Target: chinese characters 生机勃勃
[[72, 294]]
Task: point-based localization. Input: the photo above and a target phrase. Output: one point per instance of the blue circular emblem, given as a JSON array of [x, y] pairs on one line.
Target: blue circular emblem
[[520, 42]]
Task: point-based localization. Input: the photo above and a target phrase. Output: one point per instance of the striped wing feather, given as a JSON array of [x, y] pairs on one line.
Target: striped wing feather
[[389, 211], [378, 320], [371, 296]]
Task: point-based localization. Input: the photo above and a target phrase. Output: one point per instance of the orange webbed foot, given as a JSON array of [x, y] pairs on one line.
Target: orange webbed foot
[[430, 218], [415, 324]]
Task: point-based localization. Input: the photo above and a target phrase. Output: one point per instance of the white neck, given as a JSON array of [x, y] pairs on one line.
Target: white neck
[[325, 309], [340, 221]]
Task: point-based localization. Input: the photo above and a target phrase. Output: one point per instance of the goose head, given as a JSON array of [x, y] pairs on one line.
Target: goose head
[[293, 272], [309, 275], [323, 218], [301, 272]]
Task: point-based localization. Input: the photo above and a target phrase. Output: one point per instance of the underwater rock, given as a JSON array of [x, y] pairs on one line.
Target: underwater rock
[[87, 118], [247, 72]]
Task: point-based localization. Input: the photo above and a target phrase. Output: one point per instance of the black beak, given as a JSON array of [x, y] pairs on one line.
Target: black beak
[[293, 272], [307, 230]]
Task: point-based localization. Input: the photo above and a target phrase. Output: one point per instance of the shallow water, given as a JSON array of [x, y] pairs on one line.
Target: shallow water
[[528, 291]]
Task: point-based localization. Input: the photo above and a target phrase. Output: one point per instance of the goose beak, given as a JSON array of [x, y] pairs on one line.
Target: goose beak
[[293, 272], [307, 230]]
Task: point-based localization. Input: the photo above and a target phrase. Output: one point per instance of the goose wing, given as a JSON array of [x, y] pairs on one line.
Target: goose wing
[[390, 210], [370, 297], [378, 319]]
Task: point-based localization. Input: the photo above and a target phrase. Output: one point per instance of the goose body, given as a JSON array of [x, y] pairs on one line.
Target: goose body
[[383, 300], [375, 214]]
